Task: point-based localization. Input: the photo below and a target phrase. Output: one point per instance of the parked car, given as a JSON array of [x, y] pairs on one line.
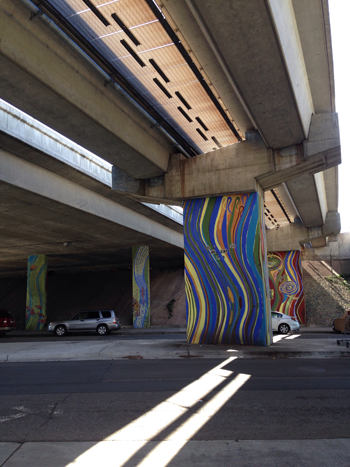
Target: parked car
[[284, 323], [100, 321], [7, 322]]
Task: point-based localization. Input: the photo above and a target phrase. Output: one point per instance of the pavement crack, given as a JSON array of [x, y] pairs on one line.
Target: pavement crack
[[107, 370], [52, 412], [103, 348]]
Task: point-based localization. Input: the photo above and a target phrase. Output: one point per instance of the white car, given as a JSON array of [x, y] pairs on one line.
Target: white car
[[284, 323]]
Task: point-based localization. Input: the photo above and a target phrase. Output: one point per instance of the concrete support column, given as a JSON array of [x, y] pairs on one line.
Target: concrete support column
[[226, 270], [286, 284], [36, 292], [141, 287]]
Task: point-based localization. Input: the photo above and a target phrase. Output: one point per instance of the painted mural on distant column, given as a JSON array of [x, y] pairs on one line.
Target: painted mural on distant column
[[226, 271], [286, 284], [141, 287], [36, 292]]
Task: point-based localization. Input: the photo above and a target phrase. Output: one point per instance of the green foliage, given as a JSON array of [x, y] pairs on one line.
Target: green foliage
[[170, 306], [340, 280]]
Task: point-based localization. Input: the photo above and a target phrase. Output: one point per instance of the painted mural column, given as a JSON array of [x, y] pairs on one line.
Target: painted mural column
[[286, 284], [226, 274], [141, 287], [36, 292]]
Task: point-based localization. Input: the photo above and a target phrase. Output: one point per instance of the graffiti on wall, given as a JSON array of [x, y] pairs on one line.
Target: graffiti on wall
[[141, 287], [226, 270], [286, 284], [36, 292]]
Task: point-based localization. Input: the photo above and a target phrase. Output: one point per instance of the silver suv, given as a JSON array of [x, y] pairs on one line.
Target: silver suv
[[100, 321]]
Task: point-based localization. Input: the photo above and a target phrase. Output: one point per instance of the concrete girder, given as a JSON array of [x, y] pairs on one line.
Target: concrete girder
[[318, 195], [293, 236], [47, 78], [41, 211], [317, 50], [21, 135], [265, 66], [283, 17], [246, 167]]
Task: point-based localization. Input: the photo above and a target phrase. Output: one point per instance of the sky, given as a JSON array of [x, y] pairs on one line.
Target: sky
[[340, 30]]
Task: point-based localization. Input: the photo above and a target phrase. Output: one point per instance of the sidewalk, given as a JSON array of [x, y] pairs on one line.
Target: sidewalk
[[179, 453], [289, 346]]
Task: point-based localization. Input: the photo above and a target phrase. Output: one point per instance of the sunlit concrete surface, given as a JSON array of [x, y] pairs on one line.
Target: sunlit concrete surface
[[226, 453]]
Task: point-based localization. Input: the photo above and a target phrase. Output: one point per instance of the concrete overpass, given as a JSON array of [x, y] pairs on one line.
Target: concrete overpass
[[190, 101], [56, 199], [271, 80]]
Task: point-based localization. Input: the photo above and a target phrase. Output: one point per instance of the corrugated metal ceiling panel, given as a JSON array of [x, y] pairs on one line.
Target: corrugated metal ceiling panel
[[160, 83], [274, 215]]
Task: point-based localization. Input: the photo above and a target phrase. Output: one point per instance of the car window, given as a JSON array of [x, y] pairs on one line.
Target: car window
[[280, 316], [81, 315], [106, 314], [274, 315], [93, 315], [5, 314]]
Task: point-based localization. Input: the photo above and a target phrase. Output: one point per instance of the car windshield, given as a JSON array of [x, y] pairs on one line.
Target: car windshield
[[5, 314]]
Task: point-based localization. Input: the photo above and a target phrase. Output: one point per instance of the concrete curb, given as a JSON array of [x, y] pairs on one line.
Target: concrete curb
[[127, 330]]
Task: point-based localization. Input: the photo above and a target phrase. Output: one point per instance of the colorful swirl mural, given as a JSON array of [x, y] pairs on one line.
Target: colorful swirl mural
[[286, 284], [226, 271], [141, 287], [36, 292]]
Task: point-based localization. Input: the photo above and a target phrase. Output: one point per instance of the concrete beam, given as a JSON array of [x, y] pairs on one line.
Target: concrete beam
[[318, 194], [317, 51], [26, 176], [286, 238], [29, 139], [264, 68], [293, 236], [43, 75], [283, 17], [247, 167]]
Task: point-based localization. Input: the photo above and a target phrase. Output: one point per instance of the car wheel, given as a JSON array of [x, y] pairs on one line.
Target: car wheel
[[283, 328], [102, 330], [60, 330]]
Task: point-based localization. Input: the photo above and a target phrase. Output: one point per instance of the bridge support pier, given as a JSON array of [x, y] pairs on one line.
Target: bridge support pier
[[226, 273], [141, 287], [36, 292], [286, 283]]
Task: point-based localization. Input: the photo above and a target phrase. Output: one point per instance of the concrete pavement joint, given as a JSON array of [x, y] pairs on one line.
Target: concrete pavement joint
[[14, 452]]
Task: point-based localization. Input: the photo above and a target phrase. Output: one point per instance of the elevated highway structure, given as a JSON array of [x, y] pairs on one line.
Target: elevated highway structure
[[225, 106], [56, 200]]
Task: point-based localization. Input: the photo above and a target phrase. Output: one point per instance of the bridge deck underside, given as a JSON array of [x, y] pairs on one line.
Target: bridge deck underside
[[33, 224]]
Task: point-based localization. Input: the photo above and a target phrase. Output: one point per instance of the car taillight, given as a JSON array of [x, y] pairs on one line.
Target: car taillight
[[114, 321], [294, 319], [5, 321]]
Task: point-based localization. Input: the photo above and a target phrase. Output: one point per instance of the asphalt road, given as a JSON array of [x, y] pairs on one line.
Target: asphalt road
[[94, 400]]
